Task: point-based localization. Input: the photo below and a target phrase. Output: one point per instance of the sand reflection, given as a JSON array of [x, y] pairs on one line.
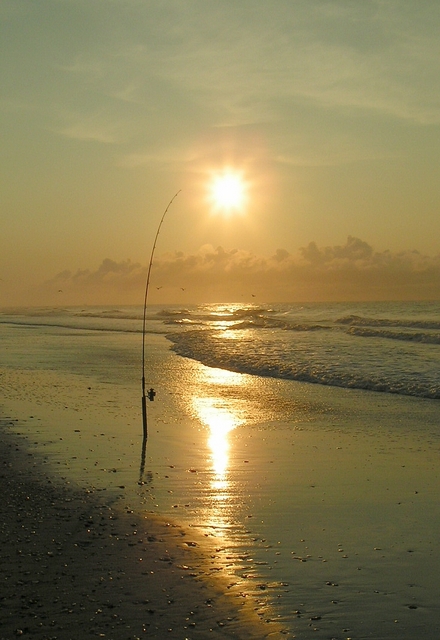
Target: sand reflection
[[220, 414], [220, 420]]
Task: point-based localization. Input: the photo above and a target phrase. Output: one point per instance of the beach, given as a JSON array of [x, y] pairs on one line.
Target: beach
[[267, 507], [73, 566]]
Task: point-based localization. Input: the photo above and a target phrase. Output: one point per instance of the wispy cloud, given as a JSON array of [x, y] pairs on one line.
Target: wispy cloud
[[256, 63], [92, 131], [353, 271], [376, 58], [97, 125]]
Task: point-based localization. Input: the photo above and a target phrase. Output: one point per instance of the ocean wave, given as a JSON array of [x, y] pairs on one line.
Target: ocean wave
[[83, 325], [172, 313], [209, 348], [365, 332], [207, 315], [262, 322], [74, 327], [240, 318], [109, 315], [354, 320]]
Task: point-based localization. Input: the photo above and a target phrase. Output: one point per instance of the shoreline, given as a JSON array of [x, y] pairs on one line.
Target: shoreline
[[317, 510], [74, 566]]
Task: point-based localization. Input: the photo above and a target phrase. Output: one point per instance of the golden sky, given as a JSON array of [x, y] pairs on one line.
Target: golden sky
[[328, 111]]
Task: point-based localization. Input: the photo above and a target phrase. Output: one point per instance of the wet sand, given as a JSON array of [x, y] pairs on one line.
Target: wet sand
[[73, 566], [309, 505]]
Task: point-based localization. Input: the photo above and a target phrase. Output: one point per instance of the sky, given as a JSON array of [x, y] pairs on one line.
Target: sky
[[327, 111]]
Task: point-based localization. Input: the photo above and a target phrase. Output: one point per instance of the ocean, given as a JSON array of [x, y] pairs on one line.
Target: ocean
[[385, 347], [302, 440]]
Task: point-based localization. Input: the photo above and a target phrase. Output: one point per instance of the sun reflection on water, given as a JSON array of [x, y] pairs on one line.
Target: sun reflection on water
[[220, 414], [220, 420], [219, 400]]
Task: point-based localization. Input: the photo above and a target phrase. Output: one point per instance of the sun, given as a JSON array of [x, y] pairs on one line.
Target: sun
[[228, 191]]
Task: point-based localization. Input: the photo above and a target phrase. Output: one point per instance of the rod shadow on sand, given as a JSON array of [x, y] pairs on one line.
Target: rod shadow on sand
[[144, 478]]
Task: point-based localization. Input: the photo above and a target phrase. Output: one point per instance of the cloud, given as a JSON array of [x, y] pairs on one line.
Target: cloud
[[253, 62], [96, 128], [112, 281], [353, 271], [369, 56]]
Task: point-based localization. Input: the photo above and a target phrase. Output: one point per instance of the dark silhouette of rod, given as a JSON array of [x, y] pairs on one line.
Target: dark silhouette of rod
[[151, 392]]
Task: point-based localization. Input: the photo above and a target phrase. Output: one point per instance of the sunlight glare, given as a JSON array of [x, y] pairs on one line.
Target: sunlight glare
[[228, 192]]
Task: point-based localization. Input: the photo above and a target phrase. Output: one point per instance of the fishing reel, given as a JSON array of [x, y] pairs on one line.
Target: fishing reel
[[151, 394]]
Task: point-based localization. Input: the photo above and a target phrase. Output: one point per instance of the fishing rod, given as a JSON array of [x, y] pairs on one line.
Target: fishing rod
[[151, 392]]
